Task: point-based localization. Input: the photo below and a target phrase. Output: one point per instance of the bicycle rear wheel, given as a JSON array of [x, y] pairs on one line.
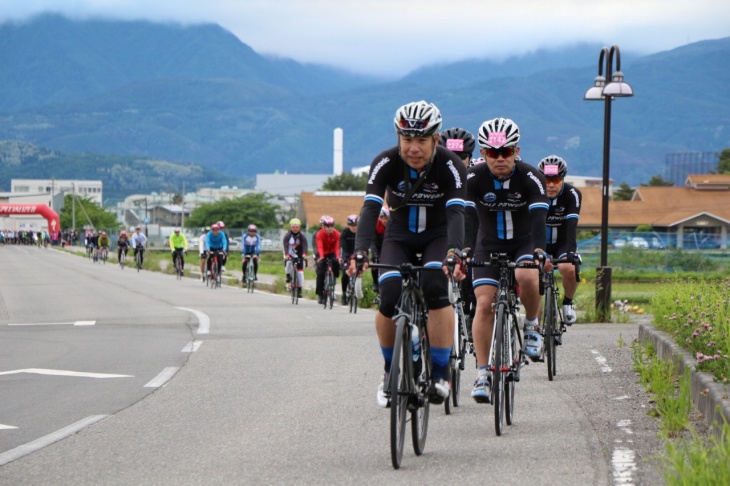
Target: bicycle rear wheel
[[353, 303], [498, 387], [550, 324], [138, 260], [399, 390]]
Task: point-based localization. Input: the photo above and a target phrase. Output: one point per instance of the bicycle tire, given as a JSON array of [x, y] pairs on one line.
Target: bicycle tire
[[455, 380], [214, 274], [509, 383], [399, 392], [550, 330], [138, 260], [353, 304], [497, 375], [250, 276], [421, 383], [122, 259]]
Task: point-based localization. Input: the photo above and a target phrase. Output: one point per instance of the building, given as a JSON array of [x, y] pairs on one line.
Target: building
[[56, 187]]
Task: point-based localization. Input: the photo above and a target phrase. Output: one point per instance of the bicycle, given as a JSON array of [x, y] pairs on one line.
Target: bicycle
[[461, 345], [293, 284], [122, 258], [552, 312], [249, 282], [214, 267], [179, 268], [89, 251], [330, 284], [354, 293], [103, 254], [410, 371], [507, 356], [138, 257]]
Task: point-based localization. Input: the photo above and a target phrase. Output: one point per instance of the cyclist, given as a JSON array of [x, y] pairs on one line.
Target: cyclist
[[314, 239], [425, 185], [251, 248], [103, 242], [295, 246], [216, 240], [347, 248], [459, 141], [139, 240], [562, 225], [377, 245], [328, 246], [122, 245], [508, 205], [178, 244], [201, 251], [224, 257]]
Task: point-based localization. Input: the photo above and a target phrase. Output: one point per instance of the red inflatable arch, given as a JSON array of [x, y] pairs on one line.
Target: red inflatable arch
[[54, 224]]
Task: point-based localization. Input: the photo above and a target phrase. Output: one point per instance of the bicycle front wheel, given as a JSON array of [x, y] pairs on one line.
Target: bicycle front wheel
[[550, 323], [513, 359], [420, 405], [500, 338], [399, 390]]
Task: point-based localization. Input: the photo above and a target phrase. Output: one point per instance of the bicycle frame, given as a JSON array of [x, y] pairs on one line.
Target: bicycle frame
[[330, 284]]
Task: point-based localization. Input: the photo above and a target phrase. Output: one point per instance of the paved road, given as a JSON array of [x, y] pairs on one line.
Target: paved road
[[275, 394]]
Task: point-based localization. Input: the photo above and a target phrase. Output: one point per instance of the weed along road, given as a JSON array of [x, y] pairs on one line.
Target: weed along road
[[110, 376]]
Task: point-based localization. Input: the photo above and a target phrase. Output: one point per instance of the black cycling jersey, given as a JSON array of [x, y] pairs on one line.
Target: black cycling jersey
[[295, 244], [436, 207], [347, 243], [508, 213], [562, 221]]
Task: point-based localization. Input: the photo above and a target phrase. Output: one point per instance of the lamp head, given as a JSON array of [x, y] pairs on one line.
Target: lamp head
[[595, 93], [617, 87]]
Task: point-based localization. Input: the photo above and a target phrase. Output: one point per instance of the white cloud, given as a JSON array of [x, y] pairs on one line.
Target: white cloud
[[395, 36]]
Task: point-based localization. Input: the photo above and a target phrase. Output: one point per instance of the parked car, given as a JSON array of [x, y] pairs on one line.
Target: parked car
[[639, 242]]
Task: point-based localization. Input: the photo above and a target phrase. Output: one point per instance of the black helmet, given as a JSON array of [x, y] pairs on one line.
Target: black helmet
[[458, 140]]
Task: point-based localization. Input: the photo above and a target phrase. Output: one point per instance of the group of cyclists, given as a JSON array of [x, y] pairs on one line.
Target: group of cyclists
[[441, 202], [24, 237]]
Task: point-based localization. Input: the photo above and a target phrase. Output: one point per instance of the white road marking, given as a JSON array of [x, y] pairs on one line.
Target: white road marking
[[75, 323], [191, 347], [623, 458], [625, 397], [6, 427], [84, 323], [601, 361], [81, 374], [163, 377], [47, 440], [203, 320]]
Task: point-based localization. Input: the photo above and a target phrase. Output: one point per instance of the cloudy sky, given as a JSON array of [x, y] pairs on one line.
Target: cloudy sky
[[392, 37]]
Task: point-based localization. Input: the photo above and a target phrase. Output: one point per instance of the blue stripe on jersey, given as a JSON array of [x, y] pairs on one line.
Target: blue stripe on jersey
[[552, 236], [457, 202], [387, 275], [470, 204], [572, 216], [539, 206], [501, 224], [485, 281], [434, 265], [413, 219], [373, 197]]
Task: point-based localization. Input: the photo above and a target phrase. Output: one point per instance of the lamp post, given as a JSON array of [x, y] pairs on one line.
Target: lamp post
[[617, 88]]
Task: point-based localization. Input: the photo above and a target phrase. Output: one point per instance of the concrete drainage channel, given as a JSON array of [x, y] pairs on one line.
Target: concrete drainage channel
[[712, 399]]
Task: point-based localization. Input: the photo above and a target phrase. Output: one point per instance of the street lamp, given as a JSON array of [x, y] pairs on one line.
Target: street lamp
[[617, 88]]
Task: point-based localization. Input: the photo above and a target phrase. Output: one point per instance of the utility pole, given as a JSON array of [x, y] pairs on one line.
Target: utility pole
[[146, 216], [73, 205], [182, 213]]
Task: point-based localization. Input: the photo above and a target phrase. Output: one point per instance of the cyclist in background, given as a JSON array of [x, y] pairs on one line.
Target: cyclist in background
[[224, 257], [314, 239], [139, 240], [103, 241], [216, 240], [347, 248], [426, 187], [295, 246], [122, 245], [201, 251], [178, 244], [328, 246], [251, 248], [562, 226], [377, 245], [507, 203]]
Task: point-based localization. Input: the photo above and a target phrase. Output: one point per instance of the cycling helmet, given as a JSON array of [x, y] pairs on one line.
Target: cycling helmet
[[103, 233], [499, 132], [457, 140], [328, 220], [177, 230], [385, 212], [252, 227], [295, 222], [352, 219], [220, 223], [215, 226], [417, 119], [553, 166], [321, 219], [123, 233]]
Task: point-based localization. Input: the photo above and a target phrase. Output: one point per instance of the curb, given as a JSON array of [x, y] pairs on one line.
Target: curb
[[712, 399]]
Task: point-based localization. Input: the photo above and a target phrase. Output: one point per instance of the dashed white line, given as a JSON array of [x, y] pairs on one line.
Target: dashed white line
[[47, 440], [203, 320], [623, 459], [191, 347], [601, 361], [6, 427], [163, 377], [74, 323], [80, 374]]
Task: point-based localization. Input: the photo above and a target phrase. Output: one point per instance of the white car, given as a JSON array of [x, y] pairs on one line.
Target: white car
[[639, 242]]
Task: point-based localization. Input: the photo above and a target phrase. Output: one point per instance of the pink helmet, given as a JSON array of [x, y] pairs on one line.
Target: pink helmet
[[123, 233], [328, 221], [177, 230], [221, 225], [215, 226], [352, 219], [252, 227]]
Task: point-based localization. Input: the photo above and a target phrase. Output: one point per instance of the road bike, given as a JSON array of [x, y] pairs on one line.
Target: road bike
[[330, 284], [104, 254], [249, 281], [293, 284], [552, 313], [462, 346], [138, 257], [409, 378], [95, 255], [89, 251], [354, 293], [507, 356], [123, 257], [214, 267], [179, 268]]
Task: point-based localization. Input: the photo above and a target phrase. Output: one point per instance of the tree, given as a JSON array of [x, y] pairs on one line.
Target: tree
[[723, 164], [253, 208], [658, 181], [623, 193], [346, 182], [177, 198], [82, 209]]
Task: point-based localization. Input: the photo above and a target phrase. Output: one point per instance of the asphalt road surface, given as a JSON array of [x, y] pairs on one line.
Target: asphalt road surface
[[110, 376]]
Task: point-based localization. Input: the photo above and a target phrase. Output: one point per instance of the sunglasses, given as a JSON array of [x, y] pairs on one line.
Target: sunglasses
[[553, 180], [505, 152], [463, 155], [329, 226]]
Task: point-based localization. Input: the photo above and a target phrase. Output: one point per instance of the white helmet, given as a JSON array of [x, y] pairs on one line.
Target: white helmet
[[499, 132], [417, 119]]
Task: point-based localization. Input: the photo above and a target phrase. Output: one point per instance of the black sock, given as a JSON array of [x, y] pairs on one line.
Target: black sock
[[567, 301]]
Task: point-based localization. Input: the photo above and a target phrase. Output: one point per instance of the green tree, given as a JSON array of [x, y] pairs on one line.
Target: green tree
[[658, 181], [86, 212], [723, 164], [253, 208], [623, 193], [346, 182]]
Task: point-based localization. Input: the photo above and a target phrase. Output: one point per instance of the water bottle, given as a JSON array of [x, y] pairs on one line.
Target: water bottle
[[416, 340]]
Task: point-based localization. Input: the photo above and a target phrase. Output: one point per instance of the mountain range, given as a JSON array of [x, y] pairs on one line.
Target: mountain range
[[199, 95]]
